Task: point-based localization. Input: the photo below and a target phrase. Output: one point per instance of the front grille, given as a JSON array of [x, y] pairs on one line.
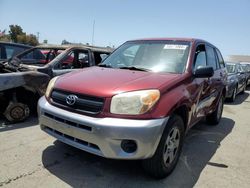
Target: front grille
[[71, 138], [83, 103], [71, 123]]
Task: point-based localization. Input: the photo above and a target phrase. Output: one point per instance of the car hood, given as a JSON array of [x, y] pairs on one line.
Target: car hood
[[106, 82]]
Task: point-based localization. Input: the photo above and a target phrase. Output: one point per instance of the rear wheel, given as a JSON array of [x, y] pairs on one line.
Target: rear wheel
[[168, 152], [214, 118]]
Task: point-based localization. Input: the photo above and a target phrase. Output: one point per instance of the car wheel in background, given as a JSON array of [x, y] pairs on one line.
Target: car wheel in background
[[232, 98], [244, 89], [16, 112], [168, 151]]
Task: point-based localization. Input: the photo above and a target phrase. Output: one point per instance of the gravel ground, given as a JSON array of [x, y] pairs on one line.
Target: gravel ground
[[212, 157]]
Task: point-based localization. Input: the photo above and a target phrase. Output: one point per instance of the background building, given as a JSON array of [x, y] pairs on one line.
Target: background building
[[239, 58]]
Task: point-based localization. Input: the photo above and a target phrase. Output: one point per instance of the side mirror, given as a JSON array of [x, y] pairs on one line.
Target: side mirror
[[204, 72]]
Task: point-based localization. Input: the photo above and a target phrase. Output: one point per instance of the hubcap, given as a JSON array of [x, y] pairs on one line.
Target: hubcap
[[17, 112], [171, 146]]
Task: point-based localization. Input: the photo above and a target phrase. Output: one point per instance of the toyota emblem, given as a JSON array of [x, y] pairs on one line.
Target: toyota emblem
[[71, 99]]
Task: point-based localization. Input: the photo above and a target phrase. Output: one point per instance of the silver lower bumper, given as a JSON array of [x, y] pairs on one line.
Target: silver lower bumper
[[101, 136]]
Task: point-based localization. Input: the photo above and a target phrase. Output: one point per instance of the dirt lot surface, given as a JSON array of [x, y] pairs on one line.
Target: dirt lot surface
[[212, 157]]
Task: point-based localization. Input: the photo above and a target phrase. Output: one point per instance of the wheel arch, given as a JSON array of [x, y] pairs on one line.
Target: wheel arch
[[183, 112]]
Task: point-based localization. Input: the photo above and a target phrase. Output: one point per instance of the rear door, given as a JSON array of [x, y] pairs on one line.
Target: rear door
[[217, 80]]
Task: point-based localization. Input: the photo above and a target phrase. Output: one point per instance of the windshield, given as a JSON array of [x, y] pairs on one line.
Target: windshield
[[231, 68], [245, 67], [156, 56]]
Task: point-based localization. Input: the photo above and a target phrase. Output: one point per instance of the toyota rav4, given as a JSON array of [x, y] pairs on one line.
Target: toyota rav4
[[139, 103]]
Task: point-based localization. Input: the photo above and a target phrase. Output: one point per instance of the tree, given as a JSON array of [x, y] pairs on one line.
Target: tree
[[4, 37], [32, 40], [65, 42], [17, 35], [15, 30]]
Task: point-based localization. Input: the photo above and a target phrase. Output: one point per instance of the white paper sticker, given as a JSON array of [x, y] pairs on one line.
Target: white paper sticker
[[175, 47]]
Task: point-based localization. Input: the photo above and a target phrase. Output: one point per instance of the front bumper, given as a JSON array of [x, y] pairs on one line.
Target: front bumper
[[101, 136]]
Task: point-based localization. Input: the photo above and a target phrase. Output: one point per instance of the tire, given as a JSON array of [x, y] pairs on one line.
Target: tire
[[214, 118], [16, 112], [168, 151], [244, 89], [232, 98]]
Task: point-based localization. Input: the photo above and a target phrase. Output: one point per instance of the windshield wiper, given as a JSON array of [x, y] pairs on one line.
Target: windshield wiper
[[105, 65], [135, 68]]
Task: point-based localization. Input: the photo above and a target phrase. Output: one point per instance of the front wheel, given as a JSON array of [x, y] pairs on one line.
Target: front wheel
[[214, 118], [168, 152], [232, 98], [244, 89]]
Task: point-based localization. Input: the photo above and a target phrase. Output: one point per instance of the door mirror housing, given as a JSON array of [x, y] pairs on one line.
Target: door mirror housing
[[203, 72]]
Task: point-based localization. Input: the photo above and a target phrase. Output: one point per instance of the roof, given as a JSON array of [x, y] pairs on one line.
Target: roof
[[94, 48], [167, 39], [16, 44]]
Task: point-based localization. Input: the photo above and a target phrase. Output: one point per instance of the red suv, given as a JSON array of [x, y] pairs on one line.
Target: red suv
[[139, 103]]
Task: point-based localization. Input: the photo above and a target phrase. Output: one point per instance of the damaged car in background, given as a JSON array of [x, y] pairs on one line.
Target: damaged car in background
[[24, 78]]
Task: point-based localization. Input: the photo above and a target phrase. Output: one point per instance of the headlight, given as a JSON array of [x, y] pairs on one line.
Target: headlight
[[135, 102], [50, 86]]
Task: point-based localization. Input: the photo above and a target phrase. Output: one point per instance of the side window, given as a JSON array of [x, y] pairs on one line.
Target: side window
[[1, 53], [67, 61], [74, 60], [83, 60], [211, 61], [99, 57], [217, 60], [221, 61], [200, 57], [13, 50]]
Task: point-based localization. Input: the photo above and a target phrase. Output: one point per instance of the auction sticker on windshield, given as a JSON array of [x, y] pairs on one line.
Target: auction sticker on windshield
[[175, 46]]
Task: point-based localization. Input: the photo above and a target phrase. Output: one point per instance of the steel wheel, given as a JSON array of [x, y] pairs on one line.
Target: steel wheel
[[171, 146], [163, 162], [16, 112]]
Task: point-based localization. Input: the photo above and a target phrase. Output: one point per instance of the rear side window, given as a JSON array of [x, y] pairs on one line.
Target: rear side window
[[211, 60], [221, 61]]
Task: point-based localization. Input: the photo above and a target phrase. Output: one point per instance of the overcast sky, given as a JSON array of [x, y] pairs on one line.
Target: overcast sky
[[224, 23]]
